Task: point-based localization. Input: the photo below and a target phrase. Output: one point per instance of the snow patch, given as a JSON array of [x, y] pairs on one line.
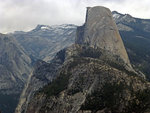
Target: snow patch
[[116, 16], [64, 26], [45, 28]]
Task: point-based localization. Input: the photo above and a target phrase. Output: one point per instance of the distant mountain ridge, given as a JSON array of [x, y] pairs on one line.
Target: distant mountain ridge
[[135, 33], [131, 22], [45, 41]]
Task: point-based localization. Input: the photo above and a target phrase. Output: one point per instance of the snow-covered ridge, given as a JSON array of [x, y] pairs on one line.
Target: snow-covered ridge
[[64, 26], [47, 27], [54, 28], [118, 17]]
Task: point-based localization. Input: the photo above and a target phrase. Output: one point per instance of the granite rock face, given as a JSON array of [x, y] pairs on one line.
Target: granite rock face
[[15, 66], [100, 31]]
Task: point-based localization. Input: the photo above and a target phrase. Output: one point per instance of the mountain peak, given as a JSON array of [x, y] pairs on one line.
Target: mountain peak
[[116, 14], [100, 31]]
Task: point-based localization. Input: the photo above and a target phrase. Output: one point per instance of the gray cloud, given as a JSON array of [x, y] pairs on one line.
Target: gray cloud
[[26, 14]]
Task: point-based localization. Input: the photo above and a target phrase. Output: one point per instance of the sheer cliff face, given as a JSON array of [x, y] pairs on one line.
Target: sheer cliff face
[[15, 65], [100, 31]]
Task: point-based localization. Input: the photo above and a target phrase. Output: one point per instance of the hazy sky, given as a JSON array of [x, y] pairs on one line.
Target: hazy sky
[[26, 14]]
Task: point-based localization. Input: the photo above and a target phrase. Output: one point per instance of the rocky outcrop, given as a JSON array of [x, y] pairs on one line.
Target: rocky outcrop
[[93, 77], [87, 83], [100, 31], [43, 73]]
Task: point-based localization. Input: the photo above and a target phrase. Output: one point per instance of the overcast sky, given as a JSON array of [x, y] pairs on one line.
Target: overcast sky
[[26, 14]]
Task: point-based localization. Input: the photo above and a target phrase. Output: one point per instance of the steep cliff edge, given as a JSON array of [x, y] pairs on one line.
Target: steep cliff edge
[[100, 31], [94, 76]]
